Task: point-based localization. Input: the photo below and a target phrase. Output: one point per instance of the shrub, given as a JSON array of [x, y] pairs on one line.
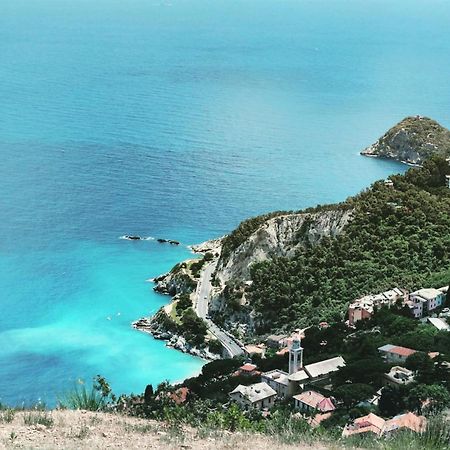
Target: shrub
[[215, 347], [94, 399], [7, 415], [38, 418]]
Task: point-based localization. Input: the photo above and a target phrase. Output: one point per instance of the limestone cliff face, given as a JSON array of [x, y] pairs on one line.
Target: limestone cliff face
[[280, 236], [412, 141]]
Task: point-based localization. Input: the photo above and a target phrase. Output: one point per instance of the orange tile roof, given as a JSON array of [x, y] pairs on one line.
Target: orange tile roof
[[283, 351], [316, 401], [374, 424], [408, 420], [247, 367], [402, 351], [370, 423], [180, 395], [370, 419]]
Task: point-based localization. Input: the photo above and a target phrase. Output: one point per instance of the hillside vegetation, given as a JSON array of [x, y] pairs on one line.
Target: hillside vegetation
[[398, 236]]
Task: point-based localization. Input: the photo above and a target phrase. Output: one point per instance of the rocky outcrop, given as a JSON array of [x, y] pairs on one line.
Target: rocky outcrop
[[281, 236], [213, 246], [167, 241], [159, 327], [177, 281], [412, 141]]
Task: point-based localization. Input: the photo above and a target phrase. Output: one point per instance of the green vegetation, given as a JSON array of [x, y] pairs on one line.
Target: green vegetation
[[205, 410], [184, 302], [196, 267], [183, 321], [215, 346], [193, 327], [97, 398], [397, 237], [6, 414], [38, 417]]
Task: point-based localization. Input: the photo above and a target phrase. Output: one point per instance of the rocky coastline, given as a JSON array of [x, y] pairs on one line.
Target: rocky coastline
[[174, 283]]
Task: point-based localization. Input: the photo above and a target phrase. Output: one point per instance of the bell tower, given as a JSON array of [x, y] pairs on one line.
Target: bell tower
[[295, 356]]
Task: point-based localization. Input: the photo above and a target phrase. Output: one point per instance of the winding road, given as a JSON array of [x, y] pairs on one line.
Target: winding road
[[203, 293]]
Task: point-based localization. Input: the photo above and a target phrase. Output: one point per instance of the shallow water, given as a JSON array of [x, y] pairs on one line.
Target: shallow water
[[177, 119]]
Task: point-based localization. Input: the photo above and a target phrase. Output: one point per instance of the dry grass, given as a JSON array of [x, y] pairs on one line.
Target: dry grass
[[95, 430]]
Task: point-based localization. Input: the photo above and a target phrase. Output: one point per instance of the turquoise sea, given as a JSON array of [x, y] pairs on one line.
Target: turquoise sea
[[177, 119]]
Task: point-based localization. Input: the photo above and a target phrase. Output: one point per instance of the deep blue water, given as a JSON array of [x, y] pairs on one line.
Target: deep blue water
[[177, 119]]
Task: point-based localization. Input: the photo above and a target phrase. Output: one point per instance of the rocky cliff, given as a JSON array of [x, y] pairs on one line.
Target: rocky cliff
[[412, 141], [178, 281], [265, 238], [280, 236]]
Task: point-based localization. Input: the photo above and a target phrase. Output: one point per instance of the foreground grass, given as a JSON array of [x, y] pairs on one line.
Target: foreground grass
[[85, 429]]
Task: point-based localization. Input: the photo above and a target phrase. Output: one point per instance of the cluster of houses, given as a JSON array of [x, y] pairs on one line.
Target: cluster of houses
[[373, 424], [306, 384], [420, 303], [280, 384]]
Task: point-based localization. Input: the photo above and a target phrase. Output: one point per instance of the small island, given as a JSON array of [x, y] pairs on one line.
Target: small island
[[412, 141]]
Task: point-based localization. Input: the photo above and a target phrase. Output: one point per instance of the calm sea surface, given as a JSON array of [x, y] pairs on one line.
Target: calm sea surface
[[177, 119]]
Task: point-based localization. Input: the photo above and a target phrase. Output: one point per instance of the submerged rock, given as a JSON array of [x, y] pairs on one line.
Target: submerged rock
[[167, 241]]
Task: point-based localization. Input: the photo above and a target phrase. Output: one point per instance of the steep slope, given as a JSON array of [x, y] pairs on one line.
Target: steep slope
[[398, 236], [281, 235], [413, 140], [291, 270]]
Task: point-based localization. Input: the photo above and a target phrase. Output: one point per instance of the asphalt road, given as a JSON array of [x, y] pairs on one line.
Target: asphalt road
[[203, 295]]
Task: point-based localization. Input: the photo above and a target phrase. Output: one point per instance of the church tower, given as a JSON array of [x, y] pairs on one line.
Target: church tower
[[295, 356]]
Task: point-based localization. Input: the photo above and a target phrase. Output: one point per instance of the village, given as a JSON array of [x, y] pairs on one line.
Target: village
[[308, 388]]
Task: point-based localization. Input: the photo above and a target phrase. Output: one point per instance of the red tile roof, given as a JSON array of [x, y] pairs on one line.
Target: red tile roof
[[316, 401], [247, 367], [180, 395], [366, 424], [408, 420], [283, 351], [402, 351]]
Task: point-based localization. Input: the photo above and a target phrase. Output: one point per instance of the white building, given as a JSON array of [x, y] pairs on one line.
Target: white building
[[398, 376], [394, 353], [278, 381], [254, 396], [310, 401], [416, 307], [288, 384], [323, 369], [440, 324], [425, 300], [295, 356], [364, 307]]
